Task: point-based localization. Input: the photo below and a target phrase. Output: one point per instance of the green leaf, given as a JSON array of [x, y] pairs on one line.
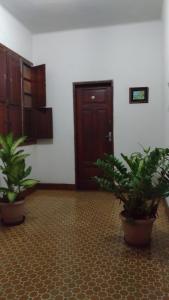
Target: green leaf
[[19, 152], [9, 139], [14, 167], [28, 171], [27, 183], [11, 196], [17, 143], [146, 150], [2, 189], [4, 143], [141, 184], [127, 160], [19, 158]]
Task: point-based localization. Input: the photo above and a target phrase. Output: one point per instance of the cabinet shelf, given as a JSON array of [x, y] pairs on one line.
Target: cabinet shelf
[[26, 79], [27, 94]]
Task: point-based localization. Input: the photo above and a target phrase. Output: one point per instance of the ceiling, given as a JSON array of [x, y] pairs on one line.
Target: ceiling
[[54, 15]]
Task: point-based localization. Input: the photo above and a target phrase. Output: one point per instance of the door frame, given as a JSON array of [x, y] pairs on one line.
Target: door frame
[[109, 83]]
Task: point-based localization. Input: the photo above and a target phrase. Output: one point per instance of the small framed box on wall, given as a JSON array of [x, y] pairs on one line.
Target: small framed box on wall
[[138, 95]]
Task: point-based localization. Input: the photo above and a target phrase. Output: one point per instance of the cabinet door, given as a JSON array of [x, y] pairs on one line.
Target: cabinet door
[[15, 120], [3, 74], [42, 123], [27, 124], [39, 86], [14, 77], [3, 119]]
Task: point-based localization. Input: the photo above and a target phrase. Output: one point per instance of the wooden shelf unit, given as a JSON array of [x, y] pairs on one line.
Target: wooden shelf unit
[[23, 98], [34, 103]]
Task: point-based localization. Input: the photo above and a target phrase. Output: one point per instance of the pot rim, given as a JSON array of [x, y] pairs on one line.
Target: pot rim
[[13, 203], [137, 221]]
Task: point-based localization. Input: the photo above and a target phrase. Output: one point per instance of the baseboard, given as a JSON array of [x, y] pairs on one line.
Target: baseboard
[[56, 186], [166, 207], [49, 186]]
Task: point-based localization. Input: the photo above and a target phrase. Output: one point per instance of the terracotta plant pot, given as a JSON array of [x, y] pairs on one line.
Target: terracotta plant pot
[[137, 233], [12, 213]]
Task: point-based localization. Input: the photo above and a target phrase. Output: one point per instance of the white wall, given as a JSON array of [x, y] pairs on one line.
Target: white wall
[[131, 55], [16, 37], [128, 54], [166, 69]]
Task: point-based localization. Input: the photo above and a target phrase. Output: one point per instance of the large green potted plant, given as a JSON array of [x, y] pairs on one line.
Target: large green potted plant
[[14, 172], [140, 181]]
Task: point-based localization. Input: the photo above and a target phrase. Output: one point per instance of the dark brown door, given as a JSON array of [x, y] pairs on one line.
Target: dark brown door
[[14, 77], [93, 128], [3, 75]]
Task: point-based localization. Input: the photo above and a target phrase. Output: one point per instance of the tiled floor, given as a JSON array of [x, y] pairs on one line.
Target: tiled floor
[[71, 247]]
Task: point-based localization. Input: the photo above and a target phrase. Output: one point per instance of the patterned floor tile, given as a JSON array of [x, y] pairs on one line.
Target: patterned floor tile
[[71, 247]]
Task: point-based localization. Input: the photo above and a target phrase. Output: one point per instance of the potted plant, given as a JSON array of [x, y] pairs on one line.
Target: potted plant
[[15, 173], [140, 181]]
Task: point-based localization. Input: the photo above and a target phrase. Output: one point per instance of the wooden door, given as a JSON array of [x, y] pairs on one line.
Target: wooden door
[[14, 77], [3, 75], [93, 106]]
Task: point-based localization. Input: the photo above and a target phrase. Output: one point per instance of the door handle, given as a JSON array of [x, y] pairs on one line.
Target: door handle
[[109, 136]]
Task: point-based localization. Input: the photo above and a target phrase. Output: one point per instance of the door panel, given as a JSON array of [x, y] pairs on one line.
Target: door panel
[[3, 75], [27, 123], [39, 86], [42, 123], [95, 95], [94, 129], [86, 152], [15, 120], [3, 119], [101, 127], [14, 75]]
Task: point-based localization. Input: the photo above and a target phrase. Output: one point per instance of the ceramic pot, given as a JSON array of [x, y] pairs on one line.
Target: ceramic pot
[[12, 213], [138, 232]]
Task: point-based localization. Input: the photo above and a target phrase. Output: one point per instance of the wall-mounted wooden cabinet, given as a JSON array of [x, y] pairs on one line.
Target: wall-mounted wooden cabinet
[[37, 119], [23, 98]]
